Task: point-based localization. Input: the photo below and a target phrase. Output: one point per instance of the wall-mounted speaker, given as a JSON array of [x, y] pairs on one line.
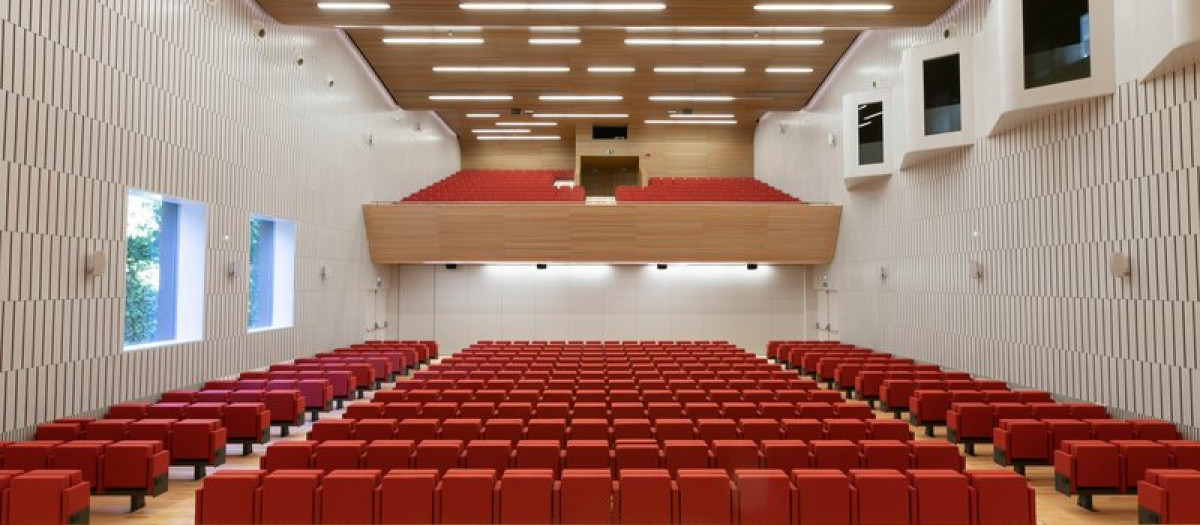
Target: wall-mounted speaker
[[1120, 266]]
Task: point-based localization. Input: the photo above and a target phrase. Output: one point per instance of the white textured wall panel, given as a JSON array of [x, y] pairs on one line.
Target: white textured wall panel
[[180, 97], [1050, 201]]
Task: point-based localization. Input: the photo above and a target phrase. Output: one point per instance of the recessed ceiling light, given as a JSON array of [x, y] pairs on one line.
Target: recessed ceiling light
[[501, 69], [710, 116], [724, 41], [823, 7], [563, 6], [354, 6], [555, 41], [581, 98], [723, 29], [785, 70], [699, 70], [554, 29], [484, 131], [529, 124], [470, 97], [690, 98], [429, 29], [448, 40], [611, 69], [699, 122], [483, 115], [518, 137], [580, 115]]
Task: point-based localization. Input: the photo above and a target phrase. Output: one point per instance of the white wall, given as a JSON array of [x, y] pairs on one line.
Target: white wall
[[180, 97], [472, 303], [1050, 201]]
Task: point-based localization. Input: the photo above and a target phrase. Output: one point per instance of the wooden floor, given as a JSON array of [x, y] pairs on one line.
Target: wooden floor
[[177, 506]]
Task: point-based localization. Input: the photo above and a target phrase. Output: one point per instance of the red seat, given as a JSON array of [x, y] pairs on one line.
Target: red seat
[[818, 410], [1111, 429], [329, 429], [632, 429], [526, 497], [714, 429], [547, 429], [388, 454], [489, 454], [821, 497], [364, 410], [289, 455], [706, 497], [348, 496], [58, 431], [853, 411], [461, 429], [592, 429], [127, 411], [138, 467], [1154, 429], [881, 497], [515, 410], [289, 497], [804, 429], [764, 497], [584, 497], [834, 454], [940, 497], [338, 454], [587, 453], [679, 454], [465, 496], [1087, 467], [785, 454], [937, 455], [407, 497], [543, 454], [107, 429], [637, 453], [29, 455], [228, 497], [1000, 497], [885, 454], [198, 442], [673, 429], [1169, 496], [733, 454], [438, 454], [1018, 441], [889, 429], [848, 429], [760, 429], [646, 497], [247, 423], [417, 429], [80, 455], [1184, 454]]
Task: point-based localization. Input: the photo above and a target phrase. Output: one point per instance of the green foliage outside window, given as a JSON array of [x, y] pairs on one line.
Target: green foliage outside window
[[142, 237]]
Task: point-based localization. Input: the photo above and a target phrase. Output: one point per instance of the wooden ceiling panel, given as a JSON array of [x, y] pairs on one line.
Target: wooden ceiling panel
[[407, 70]]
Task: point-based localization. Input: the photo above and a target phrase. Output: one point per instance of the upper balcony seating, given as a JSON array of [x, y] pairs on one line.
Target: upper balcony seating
[[712, 189], [500, 186]]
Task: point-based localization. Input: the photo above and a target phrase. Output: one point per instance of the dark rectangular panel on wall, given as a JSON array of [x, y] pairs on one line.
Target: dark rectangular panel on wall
[[631, 233]]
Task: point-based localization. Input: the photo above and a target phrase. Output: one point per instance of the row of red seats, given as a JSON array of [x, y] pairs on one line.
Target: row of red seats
[[1092, 467], [642, 496], [929, 407], [343, 383], [242, 423], [249, 421], [198, 443], [974, 422], [616, 391], [610, 411], [40, 497], [757, 429], [1022, 442], [500, 454], [498, 185], [1169, 496], [124, 468], [280, 398], [714, 189]]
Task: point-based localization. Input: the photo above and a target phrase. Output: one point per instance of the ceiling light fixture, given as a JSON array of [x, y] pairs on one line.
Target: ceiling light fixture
[[763, 42], [581, 98], [581, 115], [699, 70], [689, 122], [485, 131], [554, 29], [534, 124], [611, 69], [354, 6], [433, 40], [483, 115], [702, 115], [470, 97], [823, 7], [722, 29], [518, 137], [562, 6], [555, 41], [501, 69], [789, 70], [691, 98]]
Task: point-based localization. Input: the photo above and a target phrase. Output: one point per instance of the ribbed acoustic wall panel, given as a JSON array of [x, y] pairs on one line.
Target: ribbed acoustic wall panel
[[1042, 208], [184, 98]]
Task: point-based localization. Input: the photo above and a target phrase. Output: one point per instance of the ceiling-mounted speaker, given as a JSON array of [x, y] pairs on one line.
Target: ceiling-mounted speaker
[[687, 111], [515, 111], [1120, 266]]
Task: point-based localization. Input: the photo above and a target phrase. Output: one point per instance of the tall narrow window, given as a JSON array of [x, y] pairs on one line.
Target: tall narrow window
[[943, 95], [272, 273], [164, 270], [1058, 41], [870, 133]]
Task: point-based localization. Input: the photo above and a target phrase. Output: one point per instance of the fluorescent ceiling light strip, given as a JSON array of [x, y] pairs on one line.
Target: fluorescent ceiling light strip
[[789, 70], [723, 29], [823, 7], [433, 29], [484, 131], [433, 40], [562, 6], [470, 97], [762, 42], [501, 69], [581, 98], [518, 137], [699, 70], [483, 115], [611, 69], [554, 29], [702, 115], [699, 122], [581, 115], [555, 41], [529, 124], [691, 98], [354, 6]]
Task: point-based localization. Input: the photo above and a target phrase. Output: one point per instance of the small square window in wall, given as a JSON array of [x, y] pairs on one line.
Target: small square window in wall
[[164, 270], [272, 273]]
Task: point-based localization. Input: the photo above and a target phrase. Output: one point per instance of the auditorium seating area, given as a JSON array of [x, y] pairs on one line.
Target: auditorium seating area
[[500, 186], [701, 189]]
